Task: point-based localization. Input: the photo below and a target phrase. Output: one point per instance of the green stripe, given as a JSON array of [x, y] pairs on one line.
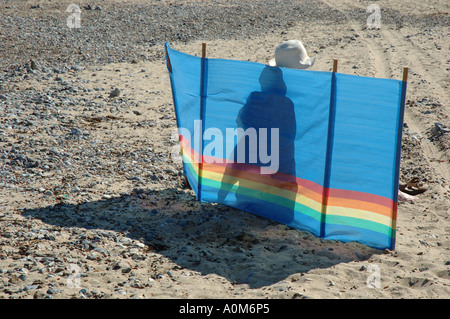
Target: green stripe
[[278, 200], [300, 208], [360, 223]]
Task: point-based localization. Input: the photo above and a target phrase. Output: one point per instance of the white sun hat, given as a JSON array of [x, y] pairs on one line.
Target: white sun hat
[[292, 54]]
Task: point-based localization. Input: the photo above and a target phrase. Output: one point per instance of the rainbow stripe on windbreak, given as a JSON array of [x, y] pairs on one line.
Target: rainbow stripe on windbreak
[[357, 210]]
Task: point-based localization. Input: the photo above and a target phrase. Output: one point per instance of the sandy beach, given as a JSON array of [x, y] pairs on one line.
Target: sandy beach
[[92, 199]]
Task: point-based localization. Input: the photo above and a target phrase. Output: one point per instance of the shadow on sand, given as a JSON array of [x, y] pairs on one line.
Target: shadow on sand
[[208, 238]]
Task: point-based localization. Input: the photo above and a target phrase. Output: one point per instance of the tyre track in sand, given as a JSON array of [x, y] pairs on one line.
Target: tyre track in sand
[[415, 124], [384, 58]]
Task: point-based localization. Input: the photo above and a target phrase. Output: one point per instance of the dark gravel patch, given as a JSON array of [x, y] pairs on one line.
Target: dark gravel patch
[[124, 32]]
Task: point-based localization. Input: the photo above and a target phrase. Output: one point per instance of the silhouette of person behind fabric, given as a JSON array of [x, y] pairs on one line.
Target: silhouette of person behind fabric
[[268, 109]]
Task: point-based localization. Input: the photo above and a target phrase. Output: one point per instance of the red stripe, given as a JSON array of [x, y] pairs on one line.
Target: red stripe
[[252, 169]]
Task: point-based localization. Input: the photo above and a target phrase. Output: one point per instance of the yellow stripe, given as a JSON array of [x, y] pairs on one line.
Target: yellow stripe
[[361, 214], [303, 200]]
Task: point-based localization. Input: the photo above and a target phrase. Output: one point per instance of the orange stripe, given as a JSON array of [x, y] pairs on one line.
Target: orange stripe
[[348, 199], [293, 187], [332, 201]]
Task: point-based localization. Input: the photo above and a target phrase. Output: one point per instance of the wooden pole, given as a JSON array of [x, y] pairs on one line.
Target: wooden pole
[[169, 65], [203, 50], [330, 138], [202, 105], [405, 75], [335, 64]]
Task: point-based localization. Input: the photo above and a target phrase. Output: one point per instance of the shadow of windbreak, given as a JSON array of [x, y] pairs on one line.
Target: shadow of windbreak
[[209, 238]]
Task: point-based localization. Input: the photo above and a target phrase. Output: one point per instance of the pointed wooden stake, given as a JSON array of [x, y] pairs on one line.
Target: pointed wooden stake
[[405, 75], [169, 65], [335, 63], [203, 50]]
